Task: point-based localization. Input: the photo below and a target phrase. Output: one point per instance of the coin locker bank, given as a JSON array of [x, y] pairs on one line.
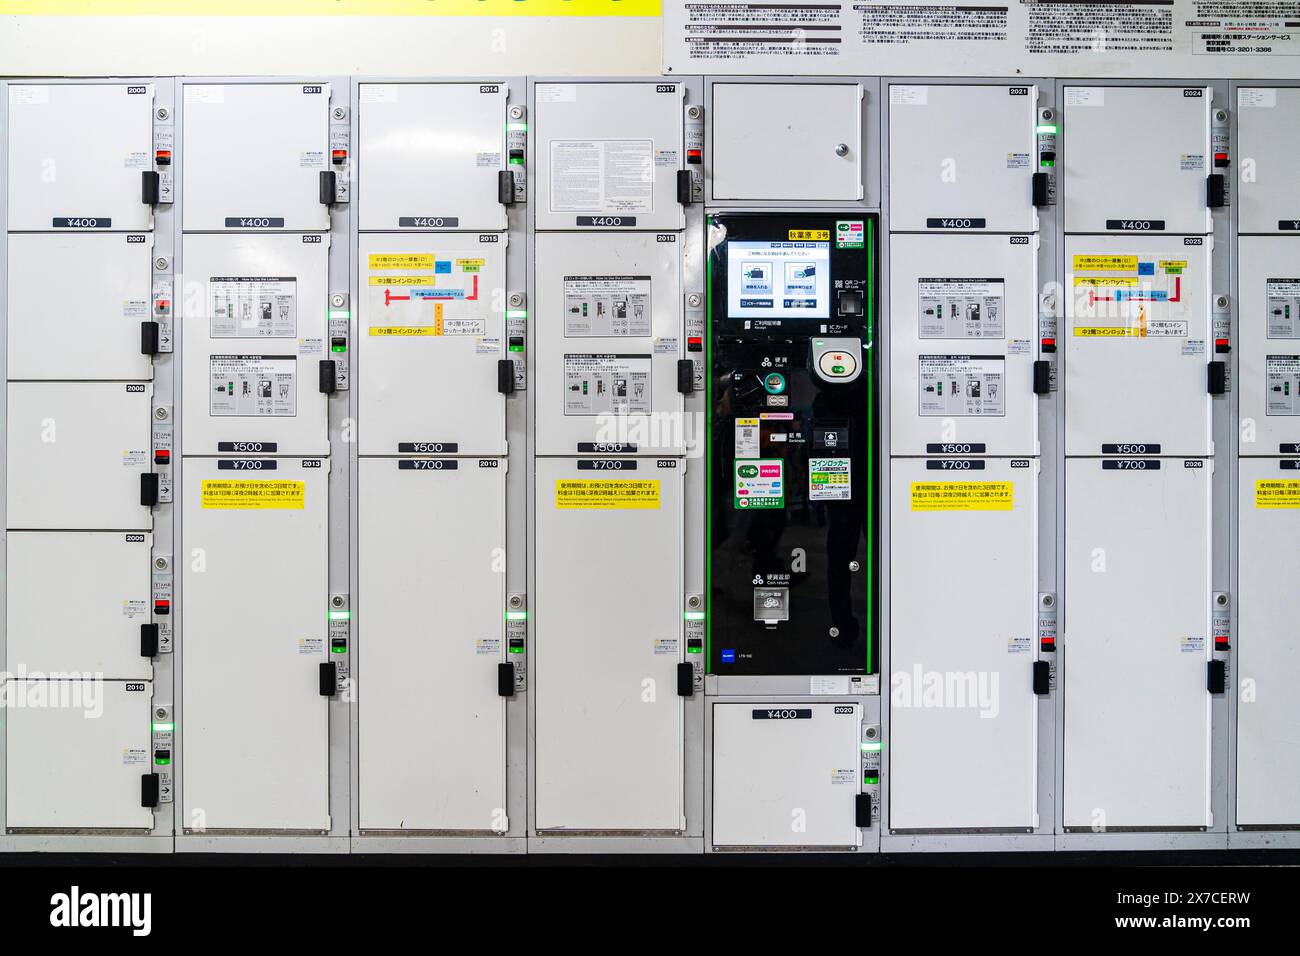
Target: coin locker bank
[[730, 461]]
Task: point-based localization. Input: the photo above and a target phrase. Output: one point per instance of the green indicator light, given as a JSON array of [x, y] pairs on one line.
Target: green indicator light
[[339, 650], [516, 615], [1045, 129], [516, 650], [871, 748], [517, 126], [516, 162], [693, 650], [340, 615], [163, 728], [1048, 162], [694, 615], [871, 780], [516, 313], [162, 761], [338, 348], [340, 315]]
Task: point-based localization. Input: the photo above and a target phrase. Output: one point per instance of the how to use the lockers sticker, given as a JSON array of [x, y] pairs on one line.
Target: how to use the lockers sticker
[[606, 384], [963, 495], [251, 494], [759, 483], [961, 308], [607, 493], [606, 306], [1123, 296], [963, 385], [1282, 373], [1283, 308], [607, 175], [829, 479], [251, 307], [747, 438], [252, 386]]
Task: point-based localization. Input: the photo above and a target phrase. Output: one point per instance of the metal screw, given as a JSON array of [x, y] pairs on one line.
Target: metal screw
[[694, 300], [693, 601], [1049, 600], [161, 263], [841, 149], [160, 563], [337, 300], [340, 112], [516, 601], [1047, 113], [693, 112], [1221, 301], [160, 712], [1221, 116], [163, 112], [871, 732], [160, 414], [1221, 600], [854, 566], [516, 299], [337, 600], [516, 112], [835, 632]]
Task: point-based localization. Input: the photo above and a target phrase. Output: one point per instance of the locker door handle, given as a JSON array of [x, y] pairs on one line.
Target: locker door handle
[[505, 376], [1216, 677], [150, 187], [149, 337], [862, 810], [329, 679], [1042, 678], [148, 489], [684, 186], [148, 640], [505, 679], [506, 187], [1039, 189], [685, 679], [328, 376], [1042, 377], [149, 790], [1216, 381], [685, 376], [328, 185], [1216, 191]]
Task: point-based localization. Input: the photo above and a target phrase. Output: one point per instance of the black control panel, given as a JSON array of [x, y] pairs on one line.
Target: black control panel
[[793, 444]]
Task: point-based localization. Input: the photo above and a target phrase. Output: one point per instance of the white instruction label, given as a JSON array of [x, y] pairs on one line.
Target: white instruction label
[[961, 308], [606, 305], [606, 384], [606, 175], [829, 479], [252, 307], [1283, 308], [1282, 374], [747, 438], [252, 386], [963, 386]]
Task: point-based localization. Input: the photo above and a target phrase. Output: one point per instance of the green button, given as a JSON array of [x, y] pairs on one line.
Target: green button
[[774, 383], [837, 369]]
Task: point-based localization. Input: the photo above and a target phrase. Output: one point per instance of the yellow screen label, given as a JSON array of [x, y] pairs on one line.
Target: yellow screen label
[[249, 494], [607, 493], [962, 495], [1277, 493], [1105, 263]]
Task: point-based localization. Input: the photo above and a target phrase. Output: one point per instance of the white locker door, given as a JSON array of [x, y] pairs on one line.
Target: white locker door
[[962, 157], [1137, 345], [1269, 343], [607, 340], [607, 155], [430, 331], [75, 753], [76, 602], [1137, 159], [1137, 642], [255, 331], [252, 155], [1268, 661], [255, 737], [963, 634], [89, 329], [791, 141], [429, 155], [607, 641], [778, 764], [1268, 142], [77, 154], [430, 638], [76, 454], [964, 334]]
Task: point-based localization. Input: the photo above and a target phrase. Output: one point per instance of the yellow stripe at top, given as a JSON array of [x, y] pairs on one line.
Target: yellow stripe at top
[[333, 8]]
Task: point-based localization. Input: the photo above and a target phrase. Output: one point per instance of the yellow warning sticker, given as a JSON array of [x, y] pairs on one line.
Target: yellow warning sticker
[[404, 280], [1277, 493], [962, 495], [1173, 266], [401, 260], [1107, 282], [402, 331], [607, 493], [810, 235], [1108, 331], [470, 265], [249, 494], [1105, 263]]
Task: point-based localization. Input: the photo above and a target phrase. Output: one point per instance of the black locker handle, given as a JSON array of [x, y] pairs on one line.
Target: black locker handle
[[684, 190], [505, 679], [148, 489], [1042, 678], [329, 678], [150, 187], [685, 376], [328, 375], [862, 810], [685, 679], [1216, 191], [1042, 377], [1216, 378], [506, 376], [1216, 677], [1039, 189], [149, 790], [149, 337], [506, 187], [328, 186], [148, 640]]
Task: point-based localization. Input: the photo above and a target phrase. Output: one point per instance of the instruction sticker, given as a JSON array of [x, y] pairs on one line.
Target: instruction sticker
[[606, 384], [962, 495], [759, 483], [1277, 493], [961, 308], [253, 494], [964, 386], [252, 386], [829, 479], [252, 307], [607, 493], [1282, 377], [747, 437], [608, 175], [606, 305], [850, 234], [1283, 297]]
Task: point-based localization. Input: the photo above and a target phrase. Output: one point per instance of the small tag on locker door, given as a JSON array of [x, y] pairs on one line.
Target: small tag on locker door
[[1222, 621], [517, 639], [161, 442], [1046, 623], [162, 600], [164, 751]]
